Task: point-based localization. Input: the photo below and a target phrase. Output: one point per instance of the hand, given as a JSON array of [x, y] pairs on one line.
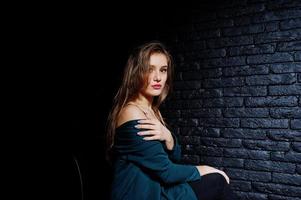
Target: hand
[[204, 169], [156, 130]]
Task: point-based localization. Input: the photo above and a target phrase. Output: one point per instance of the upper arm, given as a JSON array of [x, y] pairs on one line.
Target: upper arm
[[129, 112]]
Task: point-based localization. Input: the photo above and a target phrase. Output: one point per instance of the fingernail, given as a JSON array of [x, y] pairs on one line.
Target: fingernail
[[138, 133], [136, 126]]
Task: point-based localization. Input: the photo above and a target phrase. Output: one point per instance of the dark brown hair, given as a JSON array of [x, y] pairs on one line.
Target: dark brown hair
[[134, 79]]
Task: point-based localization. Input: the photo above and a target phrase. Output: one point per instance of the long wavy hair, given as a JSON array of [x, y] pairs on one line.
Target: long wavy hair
[[134, 80]]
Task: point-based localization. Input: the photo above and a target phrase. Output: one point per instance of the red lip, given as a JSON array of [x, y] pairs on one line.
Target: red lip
[[157, 86]]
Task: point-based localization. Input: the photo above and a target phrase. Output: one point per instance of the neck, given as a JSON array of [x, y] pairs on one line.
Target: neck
[[144, 101]]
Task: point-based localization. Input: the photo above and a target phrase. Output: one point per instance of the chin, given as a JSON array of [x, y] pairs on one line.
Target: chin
[[157, 93]]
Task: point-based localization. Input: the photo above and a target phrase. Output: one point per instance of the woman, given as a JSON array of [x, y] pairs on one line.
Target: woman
[[143, 151]]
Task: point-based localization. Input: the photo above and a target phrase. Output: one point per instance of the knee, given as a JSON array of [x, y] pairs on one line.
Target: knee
[[220, 179]]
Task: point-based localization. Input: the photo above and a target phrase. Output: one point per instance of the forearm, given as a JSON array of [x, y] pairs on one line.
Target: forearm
[[204, 169]]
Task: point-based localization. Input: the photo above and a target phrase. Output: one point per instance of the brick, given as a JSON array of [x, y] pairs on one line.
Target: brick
[[266, 145], [232, 162], [192, 75], [291, 23], [284, 135], [289, 35], [285, 67], [212, 73], [271, 26], [246, 70], [271, 79], [264, 123], [269, 58], [247, 154], [221, 142], [202, 113], [223, 102], [243, 30], [252, 49], [288, 101], [212, 161], [263, 165], [293, 191], [224, 62], [276, 15], [293, 112], [251, 196], [296, 146], [246, 112], [219, 122], [238, 11], [191, 159], [209, 151], [229, 41], [190, 130], [296, 124], [289, 46], [210, 132], [286, 157], [241, 185], [246, 91], [201, 74], [243, 133], [279, 197], [223, 82], [297, 56], [181, 122], [189, 139], [212, 53], [188, 149], [298, 169], [208, 93], [274, 5], [181, 104], [285, 89], [190, 94]]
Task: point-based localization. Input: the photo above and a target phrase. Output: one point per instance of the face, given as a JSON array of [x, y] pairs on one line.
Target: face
[[157, 75]]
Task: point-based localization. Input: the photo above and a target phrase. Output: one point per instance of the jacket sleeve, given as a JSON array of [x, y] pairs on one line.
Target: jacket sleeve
[[175, 153], [151, 156]]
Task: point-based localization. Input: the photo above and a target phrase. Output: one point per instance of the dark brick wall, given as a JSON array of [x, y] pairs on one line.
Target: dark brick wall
[[236, 100]]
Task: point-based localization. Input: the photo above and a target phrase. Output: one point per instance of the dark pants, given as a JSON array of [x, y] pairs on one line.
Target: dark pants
[[212, 187]]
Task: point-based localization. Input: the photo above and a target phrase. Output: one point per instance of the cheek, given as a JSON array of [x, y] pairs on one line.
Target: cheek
[[164, 78]]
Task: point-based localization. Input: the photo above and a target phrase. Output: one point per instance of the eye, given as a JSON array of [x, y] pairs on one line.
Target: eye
[[164, 70]]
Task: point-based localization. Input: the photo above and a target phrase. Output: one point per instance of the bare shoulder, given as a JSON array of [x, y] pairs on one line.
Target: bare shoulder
[[129, 112]]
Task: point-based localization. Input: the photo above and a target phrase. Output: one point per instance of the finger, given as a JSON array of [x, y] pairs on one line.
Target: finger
[[143, 133], [145, 126], [146, 121], [151, 138]]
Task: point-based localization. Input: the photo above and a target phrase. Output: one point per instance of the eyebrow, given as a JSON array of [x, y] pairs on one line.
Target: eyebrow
[[160, 67]]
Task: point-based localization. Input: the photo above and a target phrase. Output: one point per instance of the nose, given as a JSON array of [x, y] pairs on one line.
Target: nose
[[157, 76]]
